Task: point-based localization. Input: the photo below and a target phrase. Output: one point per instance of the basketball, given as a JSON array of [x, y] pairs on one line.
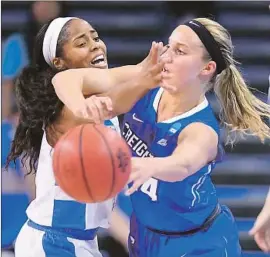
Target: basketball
[[91, 163]]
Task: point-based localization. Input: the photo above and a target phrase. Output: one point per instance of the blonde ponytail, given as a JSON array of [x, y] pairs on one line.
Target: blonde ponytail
[[240, 109]]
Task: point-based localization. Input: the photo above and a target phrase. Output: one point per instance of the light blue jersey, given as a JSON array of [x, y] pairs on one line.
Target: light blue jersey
[[58, 225]]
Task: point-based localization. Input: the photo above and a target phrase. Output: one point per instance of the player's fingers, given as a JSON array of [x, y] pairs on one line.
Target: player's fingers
[[131, 191], [155, 72], [154, 54], [267, 239], [159, 67], [157, 52], [258, 225], [253, 230], [107, 101], [260, 240], [151, 50], [82, 113], [150, 54], [93, 111], [158, 79], [133, 176], [134, 172], [160, 49], [104, 107], [102, 111], [164, 50], [267, 246], [133, 188]]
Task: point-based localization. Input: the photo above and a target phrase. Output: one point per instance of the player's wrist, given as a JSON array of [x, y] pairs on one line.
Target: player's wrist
[[77, 105]]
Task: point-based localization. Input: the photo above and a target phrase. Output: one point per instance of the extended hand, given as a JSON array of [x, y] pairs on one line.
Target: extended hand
[[142, 170], [96, 109], [151, 68], [261, 230]]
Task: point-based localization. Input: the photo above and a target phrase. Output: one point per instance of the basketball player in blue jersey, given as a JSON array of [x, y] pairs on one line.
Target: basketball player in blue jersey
[[176, 210], [58, 225], [174, 137]]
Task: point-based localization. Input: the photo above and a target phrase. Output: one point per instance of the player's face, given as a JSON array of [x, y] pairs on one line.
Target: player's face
[[186, 52], [84, 48]]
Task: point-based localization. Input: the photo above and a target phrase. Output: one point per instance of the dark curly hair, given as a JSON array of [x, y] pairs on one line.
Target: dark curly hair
[[38, 104]]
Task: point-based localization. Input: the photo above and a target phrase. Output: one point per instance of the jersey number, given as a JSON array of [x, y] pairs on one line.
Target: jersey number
[[150, 188]]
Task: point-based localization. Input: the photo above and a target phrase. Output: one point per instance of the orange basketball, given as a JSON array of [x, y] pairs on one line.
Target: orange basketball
[[91, 163]]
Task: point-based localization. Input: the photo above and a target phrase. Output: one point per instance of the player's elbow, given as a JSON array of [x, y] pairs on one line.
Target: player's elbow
[[60, 78], [56, 80], [70, 77]]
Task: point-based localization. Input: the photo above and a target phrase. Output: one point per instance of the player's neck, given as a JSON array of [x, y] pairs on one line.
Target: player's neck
[[172, 105]]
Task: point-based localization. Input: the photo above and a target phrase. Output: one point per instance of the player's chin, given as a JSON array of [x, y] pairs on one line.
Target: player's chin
[[169, 88], [166, 80]]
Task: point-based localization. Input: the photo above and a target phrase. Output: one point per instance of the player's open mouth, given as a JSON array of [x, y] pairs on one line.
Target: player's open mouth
[[99, 61]]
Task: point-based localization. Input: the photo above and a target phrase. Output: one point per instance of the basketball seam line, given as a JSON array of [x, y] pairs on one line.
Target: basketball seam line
[[112, 160], [82, 164], [58, 158]]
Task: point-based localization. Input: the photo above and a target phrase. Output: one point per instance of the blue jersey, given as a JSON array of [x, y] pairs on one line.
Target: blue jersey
[[167, 206]]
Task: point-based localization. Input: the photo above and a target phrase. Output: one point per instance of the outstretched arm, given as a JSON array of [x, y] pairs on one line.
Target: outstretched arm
[[71, 86], [124, 85], [197, 146], [128, 93]]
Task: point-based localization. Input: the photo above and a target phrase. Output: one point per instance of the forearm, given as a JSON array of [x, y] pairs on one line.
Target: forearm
[[126, 95], [123, 74], [71, 85], [184, 162], [68, 86], [170, 169], [188, 157]]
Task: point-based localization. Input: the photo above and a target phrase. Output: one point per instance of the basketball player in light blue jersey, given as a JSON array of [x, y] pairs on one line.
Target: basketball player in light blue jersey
[[174, 137], [57, 224]]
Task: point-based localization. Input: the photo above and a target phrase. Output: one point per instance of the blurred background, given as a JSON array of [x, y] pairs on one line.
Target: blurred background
[[128, 28]]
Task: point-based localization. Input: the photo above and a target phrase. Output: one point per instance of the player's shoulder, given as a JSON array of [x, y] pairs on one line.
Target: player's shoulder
[[146, 101], [206, 115], [202, 115]]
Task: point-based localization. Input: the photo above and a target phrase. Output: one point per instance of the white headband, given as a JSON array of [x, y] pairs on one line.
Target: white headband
[[51, 37]]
